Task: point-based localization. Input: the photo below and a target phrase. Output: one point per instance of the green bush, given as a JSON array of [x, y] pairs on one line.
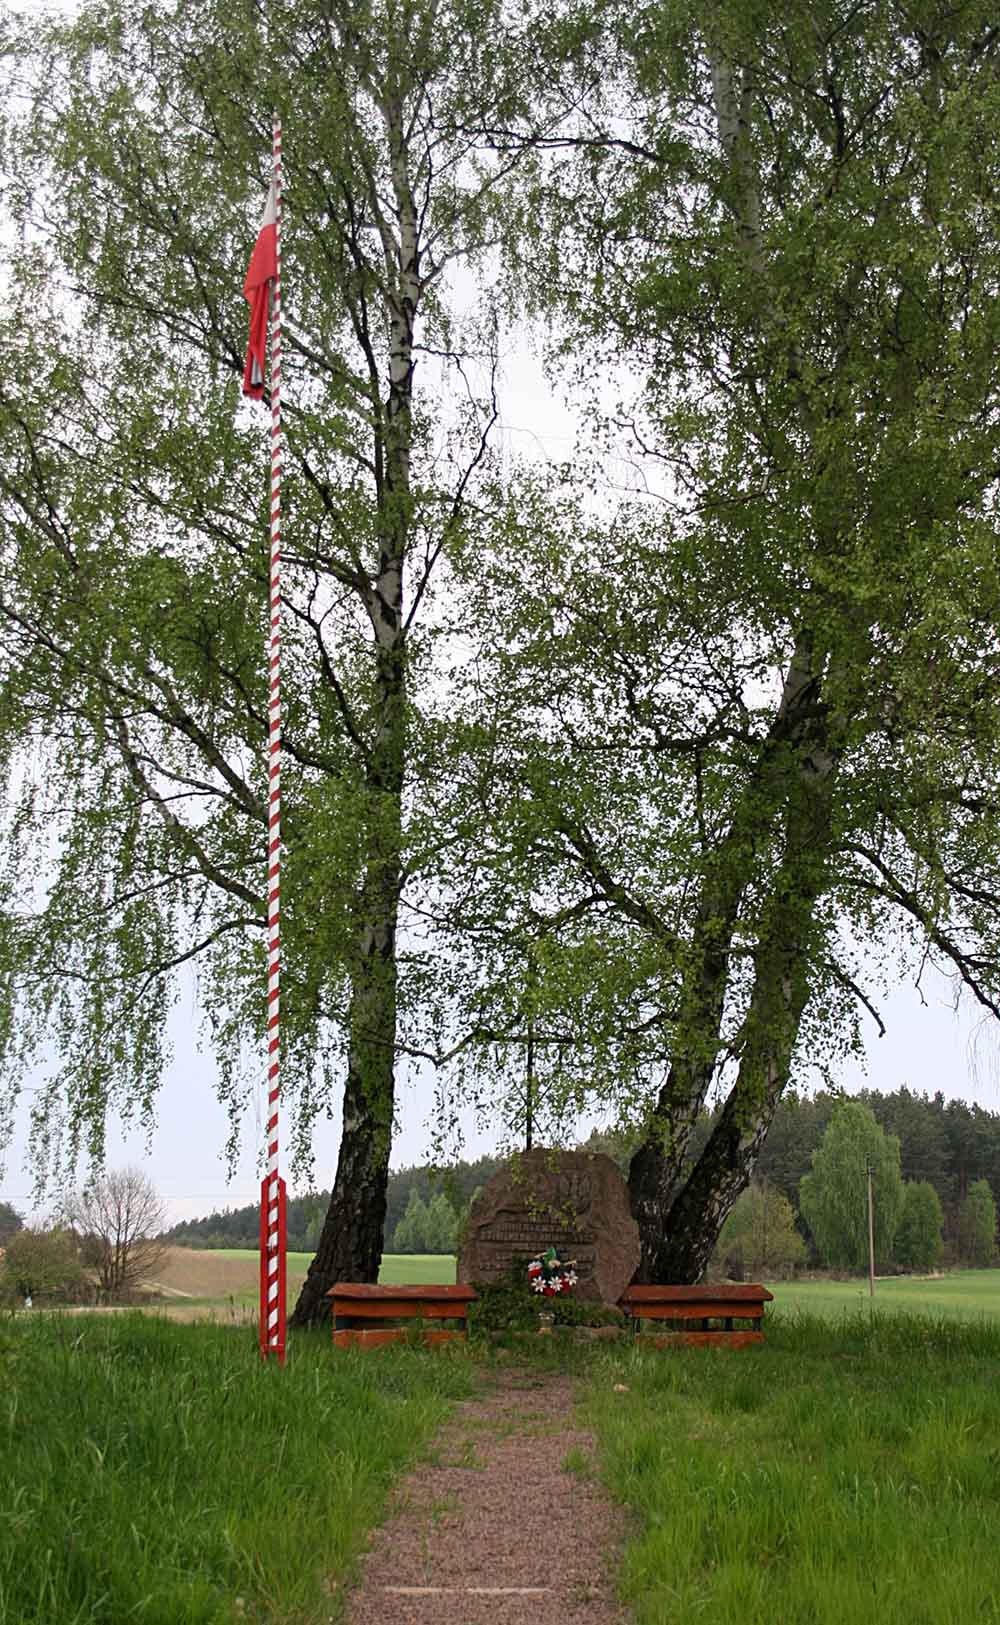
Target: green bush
[[44, 1264], [426, 1227], [509, 1305], [759, 1238], [977, 1224]]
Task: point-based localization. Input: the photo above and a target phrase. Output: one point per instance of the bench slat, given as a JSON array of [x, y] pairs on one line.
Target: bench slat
[[399, 1308], [694, 1340], [652, 1307], [390, 1334], [706, 1310], [355, 1301], [363, 1290], [738, 1293]]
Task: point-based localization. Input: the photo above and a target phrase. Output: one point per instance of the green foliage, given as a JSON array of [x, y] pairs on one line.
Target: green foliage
[[617, 1143], [509, 1305], [441, 1226], [667, 752], [425, 1227], [834, 1196], [239, 1227], [409, 1234], [818, 449], [10, 1222], [977, 1224], [43, 1264], [947, 1143], [918, 1244], [759, 1237], [133, 532], [144, 1496]]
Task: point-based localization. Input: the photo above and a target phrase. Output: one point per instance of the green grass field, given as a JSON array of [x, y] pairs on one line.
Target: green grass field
[[847, 1471], [965, 1293], [397, 1269]]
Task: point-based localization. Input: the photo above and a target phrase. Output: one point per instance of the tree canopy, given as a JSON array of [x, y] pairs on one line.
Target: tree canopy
[[748, 725], [658, 784], [834, 1195], [918, 1241], [977, 1224], [132, 687]]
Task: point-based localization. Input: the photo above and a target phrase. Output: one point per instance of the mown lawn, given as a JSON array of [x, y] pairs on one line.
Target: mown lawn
[[965, 1293], [395, 1266], [161, 1473], [403, 1268], [847, 1473], [238, 1299]]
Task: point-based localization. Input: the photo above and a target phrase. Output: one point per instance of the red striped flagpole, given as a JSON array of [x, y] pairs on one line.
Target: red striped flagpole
[[273, 1223]]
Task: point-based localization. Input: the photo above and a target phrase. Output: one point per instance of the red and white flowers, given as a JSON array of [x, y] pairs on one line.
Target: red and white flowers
[[550, 1275]]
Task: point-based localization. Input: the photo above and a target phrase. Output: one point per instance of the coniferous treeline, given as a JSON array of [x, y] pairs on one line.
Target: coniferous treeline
[[239, 1227], [948, 1143]]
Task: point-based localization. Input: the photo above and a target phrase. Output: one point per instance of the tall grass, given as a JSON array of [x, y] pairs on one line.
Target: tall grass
[[161, 1473], [842, 1473]]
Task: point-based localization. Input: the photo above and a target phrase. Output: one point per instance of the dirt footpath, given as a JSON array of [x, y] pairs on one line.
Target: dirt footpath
[[504, 1523]]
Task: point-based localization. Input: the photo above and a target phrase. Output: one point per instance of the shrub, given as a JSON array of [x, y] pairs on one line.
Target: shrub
[[509, 1305], [759, 1237], [977, 1224], [44, 1264]]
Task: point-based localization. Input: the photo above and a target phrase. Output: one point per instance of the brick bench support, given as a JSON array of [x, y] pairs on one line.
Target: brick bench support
[[697, 1316], [366, 1316]]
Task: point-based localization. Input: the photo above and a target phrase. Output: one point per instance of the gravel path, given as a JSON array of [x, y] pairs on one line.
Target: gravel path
[[493, 1529]]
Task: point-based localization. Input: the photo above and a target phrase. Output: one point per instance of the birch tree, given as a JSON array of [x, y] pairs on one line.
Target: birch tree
[[133, 523], [751, 727]]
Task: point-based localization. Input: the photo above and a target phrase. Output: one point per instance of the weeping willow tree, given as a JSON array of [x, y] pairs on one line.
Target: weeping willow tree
[[133, 526]]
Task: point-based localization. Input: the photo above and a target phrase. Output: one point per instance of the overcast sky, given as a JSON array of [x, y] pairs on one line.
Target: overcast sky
[[927, 1047]]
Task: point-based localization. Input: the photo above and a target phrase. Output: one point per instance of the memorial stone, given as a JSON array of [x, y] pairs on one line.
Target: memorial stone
[[574, 1201]]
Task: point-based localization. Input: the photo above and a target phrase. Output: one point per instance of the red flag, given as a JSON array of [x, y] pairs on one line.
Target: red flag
[[256, 289]]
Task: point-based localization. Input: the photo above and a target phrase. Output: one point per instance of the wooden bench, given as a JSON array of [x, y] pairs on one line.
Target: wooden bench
[[365, 1316], [698, 1315]]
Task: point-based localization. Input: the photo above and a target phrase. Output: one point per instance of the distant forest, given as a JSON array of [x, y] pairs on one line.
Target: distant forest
[[239, 1227], [948, 1143]]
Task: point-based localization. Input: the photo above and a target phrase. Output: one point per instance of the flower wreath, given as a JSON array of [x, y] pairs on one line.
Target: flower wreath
[[550, 1274]]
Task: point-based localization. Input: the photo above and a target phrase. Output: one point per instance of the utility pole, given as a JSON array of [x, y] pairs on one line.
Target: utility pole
[[871, 1237]]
